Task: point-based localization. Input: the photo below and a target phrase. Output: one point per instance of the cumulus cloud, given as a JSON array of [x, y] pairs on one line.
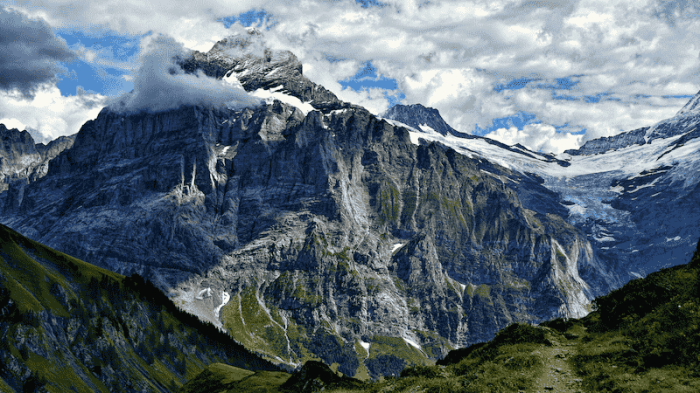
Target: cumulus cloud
[[30, 51], [161, 84], [451, 54], [537, 137], [48, 114]]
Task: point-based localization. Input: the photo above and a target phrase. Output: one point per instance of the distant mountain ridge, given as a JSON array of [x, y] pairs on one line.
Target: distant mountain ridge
[[23, 161], [632, 193]]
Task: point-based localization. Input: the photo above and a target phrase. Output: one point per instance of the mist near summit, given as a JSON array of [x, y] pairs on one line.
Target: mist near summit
[[161, 84]]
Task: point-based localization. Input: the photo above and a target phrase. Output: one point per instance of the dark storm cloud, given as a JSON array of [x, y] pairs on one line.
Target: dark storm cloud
[[29, 51]]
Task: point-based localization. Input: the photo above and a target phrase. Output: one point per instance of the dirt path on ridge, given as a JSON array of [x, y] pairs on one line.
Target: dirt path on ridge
[[558, 376]]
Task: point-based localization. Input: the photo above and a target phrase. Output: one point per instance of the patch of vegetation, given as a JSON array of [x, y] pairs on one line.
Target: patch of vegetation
[[389, 355], [389, 204], [119, 333], [410, 202], [247, 322]]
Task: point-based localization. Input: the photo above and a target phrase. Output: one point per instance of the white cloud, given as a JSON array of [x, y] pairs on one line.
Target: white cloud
[[161, 84], [450, 54], [49, 115], [537, 137]]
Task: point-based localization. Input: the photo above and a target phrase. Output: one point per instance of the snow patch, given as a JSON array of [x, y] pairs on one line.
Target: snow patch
[[617, 189], [604, 239], [203, 293], [225, 297], [273, 94], [396, 247], [426, 128], [365, 345], [412, 343], [576, 209], [673, 239], [231, 79]]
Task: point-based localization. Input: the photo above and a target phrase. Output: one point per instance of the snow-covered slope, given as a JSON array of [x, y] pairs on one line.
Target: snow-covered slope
[[632, 194]]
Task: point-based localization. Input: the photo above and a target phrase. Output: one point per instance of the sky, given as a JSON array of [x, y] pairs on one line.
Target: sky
[[547, 74]]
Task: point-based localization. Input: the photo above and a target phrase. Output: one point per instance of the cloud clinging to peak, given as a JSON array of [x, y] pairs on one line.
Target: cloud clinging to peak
[[161, 84]]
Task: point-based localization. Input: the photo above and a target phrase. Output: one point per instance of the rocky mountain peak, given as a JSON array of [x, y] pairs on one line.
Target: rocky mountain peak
[[246, 59], [419, 117], [685, 122], [692, 106], [15, 143], [23, 161]]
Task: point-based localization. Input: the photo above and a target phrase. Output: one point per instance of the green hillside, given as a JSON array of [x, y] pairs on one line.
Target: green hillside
[[643, 337], [67, 325]]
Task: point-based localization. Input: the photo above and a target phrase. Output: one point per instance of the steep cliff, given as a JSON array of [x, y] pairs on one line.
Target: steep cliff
[[22, 161]]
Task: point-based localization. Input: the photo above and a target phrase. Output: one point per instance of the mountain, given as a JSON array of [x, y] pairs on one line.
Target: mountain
[[309, 228], [418, 116], [632, 194], [641, 337], [428, 122], [68, 325], [23, 161]]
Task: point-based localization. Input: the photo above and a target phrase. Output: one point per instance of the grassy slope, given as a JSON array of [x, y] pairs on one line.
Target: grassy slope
[[68, 325], [643, 337]]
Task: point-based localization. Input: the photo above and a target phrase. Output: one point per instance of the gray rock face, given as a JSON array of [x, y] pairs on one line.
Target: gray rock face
[[417, 115], [22, 161], [267, 70], [327, 235], [634, 195], [619, 141], [18, 156]]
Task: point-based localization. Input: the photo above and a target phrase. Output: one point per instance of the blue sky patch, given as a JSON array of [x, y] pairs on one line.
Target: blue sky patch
[[106, 81], [114, 54], [370, 3], [519, 121], [248, 18], [394, 99], [566, 83], [367, 78], [680, 96], [565, 97], [514, 84]]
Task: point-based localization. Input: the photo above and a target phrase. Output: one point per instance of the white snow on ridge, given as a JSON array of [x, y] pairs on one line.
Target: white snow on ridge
[[274, 94], [628, 161], [426, 128], [365, 345], [604, 239], [645, 185], [576, 209], [232, 79], [396, 247]]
